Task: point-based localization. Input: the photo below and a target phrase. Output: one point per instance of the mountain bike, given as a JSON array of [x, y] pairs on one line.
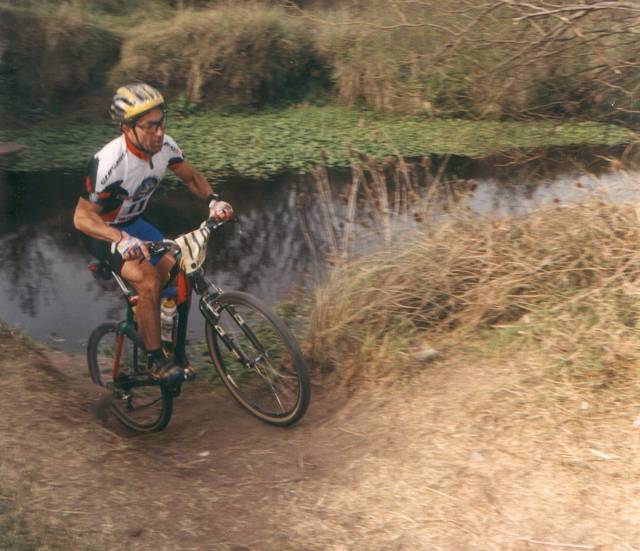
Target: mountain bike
[[254, 353]]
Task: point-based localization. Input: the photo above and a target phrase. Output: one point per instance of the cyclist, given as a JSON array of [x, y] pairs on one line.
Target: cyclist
[[122, 177]]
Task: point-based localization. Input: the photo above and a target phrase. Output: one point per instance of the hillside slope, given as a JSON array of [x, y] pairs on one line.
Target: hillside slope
[[468, 453]]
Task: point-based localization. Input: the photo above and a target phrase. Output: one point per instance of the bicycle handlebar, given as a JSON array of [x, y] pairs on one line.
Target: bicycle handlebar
[[156, 248]]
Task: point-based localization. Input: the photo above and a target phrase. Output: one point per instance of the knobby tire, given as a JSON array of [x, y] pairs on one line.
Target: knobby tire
[[275, 388], [101, 350]]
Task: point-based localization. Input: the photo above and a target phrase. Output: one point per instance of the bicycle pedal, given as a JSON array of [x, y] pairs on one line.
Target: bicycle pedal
[[120, 394], [189, 374]]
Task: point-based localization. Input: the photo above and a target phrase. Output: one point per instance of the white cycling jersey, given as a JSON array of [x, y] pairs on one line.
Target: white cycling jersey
[[122, 178]]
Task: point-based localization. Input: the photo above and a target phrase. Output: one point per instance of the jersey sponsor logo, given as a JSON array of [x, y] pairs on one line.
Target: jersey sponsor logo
[[172, 147], [145, 188], [135, 204], [113, 167]]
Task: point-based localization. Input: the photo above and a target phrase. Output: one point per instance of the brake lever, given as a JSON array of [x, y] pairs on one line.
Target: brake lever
[[214, 224]]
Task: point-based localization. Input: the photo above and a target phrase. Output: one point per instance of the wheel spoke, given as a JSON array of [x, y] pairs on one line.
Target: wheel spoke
[[269, 381], [142, 407], [258, 359]]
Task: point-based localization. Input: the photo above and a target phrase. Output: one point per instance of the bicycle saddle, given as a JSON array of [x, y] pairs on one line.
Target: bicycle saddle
[[100, 270]]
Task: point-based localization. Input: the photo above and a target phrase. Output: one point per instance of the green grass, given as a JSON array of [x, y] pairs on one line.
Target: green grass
[[263, 144], [496, 342]]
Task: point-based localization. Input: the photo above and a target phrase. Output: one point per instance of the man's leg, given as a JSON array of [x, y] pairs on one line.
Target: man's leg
[[144, 278], [146, 281], [163, 267]]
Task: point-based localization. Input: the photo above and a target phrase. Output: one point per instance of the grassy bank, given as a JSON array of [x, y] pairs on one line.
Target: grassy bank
[[258, 88], [51, 58], [458, 59], [267, 143], [560, 283]]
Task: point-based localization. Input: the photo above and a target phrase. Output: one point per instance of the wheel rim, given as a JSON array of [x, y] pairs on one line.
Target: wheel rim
[[139, 407], [267, 381]]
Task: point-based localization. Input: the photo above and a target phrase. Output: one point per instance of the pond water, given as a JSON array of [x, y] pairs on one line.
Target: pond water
[[46, 290]]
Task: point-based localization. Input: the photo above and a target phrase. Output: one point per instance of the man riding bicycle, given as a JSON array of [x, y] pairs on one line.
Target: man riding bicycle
[[122, 177]]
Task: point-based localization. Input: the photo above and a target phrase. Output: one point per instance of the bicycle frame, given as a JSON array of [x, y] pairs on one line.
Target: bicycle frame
[[128, 324], [186, 283], [275, 387]]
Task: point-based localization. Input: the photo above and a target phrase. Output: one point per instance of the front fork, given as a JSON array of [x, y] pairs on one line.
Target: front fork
[[210, 309], [208, 292]]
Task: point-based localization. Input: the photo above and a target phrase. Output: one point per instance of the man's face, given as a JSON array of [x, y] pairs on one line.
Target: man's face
[[149, 131]]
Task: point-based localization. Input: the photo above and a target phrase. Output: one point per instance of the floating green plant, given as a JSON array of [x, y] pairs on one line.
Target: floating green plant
[[295, 139]]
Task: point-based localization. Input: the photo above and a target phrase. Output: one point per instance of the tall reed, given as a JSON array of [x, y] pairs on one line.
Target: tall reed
[[565, 275]]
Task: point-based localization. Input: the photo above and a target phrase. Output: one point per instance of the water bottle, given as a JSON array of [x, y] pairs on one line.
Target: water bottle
[[168, 314]]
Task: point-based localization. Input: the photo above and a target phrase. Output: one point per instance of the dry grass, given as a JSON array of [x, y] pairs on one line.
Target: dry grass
[[561, 278], [374, 68], [464, 58], [244, 54], [525, 430], [55, 54], [479, 454], [453, 59]]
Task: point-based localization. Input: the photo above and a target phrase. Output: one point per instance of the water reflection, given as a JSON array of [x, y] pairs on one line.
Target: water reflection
[[46, 290], [45, 287]]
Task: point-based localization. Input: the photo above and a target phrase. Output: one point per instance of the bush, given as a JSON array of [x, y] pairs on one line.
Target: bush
[[379, 69], [461, 59], [54, 57], [452, 59], [564, 276], [248, 55]]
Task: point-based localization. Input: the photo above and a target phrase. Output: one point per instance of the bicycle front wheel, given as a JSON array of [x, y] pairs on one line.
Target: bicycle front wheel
[[115, 362], [258, 359]]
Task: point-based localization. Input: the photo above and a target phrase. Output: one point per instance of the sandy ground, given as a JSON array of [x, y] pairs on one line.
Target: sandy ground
[[459, 456]]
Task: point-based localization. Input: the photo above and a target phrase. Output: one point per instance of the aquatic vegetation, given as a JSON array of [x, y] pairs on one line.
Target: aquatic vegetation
[[262, 144]]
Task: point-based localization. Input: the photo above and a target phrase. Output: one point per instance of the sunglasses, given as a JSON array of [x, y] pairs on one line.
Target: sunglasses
[[151, 127]]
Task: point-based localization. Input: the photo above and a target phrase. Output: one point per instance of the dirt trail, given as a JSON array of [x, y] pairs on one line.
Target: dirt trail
[[444, 461]]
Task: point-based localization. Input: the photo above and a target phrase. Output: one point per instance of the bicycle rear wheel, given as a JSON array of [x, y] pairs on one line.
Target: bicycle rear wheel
[[143, 408], [258, 359]]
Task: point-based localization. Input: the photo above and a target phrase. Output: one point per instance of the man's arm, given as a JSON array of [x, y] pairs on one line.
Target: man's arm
[[87, 220], [194, 180], [200, 187]]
